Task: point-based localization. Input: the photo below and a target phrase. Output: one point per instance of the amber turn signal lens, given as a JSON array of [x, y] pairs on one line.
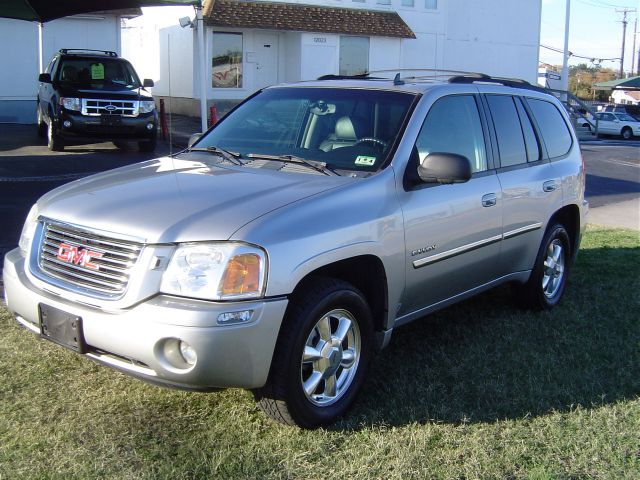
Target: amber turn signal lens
[[242, 275]]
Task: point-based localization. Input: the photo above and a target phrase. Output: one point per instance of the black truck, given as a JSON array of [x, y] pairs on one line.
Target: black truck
[[89, 95]]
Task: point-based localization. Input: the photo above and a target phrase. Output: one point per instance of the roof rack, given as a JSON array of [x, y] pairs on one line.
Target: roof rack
[[360, 76], [109, 53], [507, 82]]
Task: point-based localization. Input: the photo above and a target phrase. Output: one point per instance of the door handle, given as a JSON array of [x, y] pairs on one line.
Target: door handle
[[549, 186], [489, 200]]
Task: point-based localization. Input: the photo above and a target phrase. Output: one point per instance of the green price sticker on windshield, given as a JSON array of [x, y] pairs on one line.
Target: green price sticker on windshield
[[365, 160], [97, 71]]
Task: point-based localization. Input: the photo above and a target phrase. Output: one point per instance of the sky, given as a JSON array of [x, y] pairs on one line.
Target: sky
[[595, 28], [595, 31]]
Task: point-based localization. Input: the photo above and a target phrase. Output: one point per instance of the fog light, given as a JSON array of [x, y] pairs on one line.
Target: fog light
[[149, 126], [66, 124], [231, 318], [188, 353]]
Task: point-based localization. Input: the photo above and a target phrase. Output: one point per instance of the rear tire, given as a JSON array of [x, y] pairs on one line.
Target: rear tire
[[54, 141], [546, 284], [321, 356]]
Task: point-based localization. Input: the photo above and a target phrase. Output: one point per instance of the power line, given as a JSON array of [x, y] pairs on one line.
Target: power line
[[571, 54]]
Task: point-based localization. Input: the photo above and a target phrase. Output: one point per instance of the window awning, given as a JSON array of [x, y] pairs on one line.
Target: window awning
[[305, 18]]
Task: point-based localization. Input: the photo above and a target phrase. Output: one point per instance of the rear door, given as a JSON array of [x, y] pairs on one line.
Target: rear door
[[531, 189], [452, 232]]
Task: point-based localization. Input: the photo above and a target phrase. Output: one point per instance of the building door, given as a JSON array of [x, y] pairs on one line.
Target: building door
[[266, 59]]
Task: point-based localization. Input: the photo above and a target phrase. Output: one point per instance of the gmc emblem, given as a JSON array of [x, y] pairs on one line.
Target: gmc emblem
[[78, 256]]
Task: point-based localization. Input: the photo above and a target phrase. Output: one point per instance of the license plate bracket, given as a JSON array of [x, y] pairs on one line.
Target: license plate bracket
[[111, 120], [62, 328]]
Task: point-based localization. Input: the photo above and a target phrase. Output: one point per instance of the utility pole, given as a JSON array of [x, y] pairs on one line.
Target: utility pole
[[633, 50], [565, 55], [624, 36]]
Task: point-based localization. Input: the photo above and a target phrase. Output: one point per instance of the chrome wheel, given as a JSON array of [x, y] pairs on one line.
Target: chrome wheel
[[553, 269], [330, 358]]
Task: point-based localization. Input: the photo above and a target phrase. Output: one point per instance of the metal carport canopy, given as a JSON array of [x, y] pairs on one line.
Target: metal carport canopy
[[42, 11]]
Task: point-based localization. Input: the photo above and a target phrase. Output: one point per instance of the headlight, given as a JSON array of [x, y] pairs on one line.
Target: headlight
[[146, 106], [28, 229], [70, 103], [216, 271]]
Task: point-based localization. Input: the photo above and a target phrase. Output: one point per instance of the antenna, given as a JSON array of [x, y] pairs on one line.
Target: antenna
[[397, 80]]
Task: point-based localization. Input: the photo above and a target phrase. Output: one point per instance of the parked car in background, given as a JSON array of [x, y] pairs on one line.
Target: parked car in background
[[283, 248], [613, 123], [633, 110], [88, 95]]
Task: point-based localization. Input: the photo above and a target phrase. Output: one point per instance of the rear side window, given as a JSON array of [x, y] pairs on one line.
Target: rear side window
[[530, 139], [554, 130], [508, 131]]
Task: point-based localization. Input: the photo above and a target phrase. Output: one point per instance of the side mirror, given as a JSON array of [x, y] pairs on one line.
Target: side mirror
[[147, 82], [193, 139], [44, 78], [445, 168]]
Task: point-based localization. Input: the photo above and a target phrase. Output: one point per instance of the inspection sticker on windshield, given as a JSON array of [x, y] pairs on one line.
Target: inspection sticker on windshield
[[364, 160], [97, 71]]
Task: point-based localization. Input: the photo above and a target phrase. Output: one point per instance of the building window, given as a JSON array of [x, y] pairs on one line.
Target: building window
[[358, 1], [354, 55], [431, 4], [383, 2], [407, 3], [226, 64]]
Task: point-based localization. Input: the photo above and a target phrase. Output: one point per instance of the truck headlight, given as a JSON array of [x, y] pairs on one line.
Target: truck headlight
[[28, 229], [70, 103], [216, 271], [146, 106]]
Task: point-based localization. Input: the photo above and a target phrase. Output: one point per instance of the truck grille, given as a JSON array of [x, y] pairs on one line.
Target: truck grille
[[87, 261], [97, 107]]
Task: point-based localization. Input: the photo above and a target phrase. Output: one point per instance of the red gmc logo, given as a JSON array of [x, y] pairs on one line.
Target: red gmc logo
[[78, 256]]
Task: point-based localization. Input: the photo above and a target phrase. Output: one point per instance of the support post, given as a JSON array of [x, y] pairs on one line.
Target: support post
[[565, 55], [201, 62], [40, 47]]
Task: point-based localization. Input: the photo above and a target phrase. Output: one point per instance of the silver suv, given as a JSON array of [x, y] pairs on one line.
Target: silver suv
[[281, 250]]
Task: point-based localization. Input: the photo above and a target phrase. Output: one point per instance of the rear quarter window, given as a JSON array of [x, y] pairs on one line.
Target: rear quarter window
[[554, 130]]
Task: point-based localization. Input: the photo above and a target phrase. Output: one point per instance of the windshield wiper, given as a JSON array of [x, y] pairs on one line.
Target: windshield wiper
[[232, 157], [313, 164]]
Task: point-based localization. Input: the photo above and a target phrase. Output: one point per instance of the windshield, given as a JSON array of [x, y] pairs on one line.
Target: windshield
[[97, 73], [348, 129]]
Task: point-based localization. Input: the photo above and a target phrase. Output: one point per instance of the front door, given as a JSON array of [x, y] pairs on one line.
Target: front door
[[266, 59], [453, 232]]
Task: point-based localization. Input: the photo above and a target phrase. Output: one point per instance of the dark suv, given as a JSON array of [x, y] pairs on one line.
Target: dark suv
[[88, 95]]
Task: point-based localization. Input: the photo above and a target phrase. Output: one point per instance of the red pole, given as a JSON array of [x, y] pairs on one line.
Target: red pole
[[163, 120], [213, 115]]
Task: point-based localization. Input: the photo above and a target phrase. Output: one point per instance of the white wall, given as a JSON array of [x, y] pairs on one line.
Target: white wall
[[19, 55], [320, 55], [176, 52]]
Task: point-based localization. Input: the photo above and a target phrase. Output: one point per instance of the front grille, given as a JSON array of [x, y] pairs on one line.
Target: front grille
[[97, 107], [87, 261]]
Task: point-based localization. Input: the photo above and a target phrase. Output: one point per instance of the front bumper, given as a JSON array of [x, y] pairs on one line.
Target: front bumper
[[85, 127], [133, 339]]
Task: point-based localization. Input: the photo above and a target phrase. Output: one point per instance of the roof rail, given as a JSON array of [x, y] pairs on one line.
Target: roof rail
[[109, 53], [360, 76], [507, 82]]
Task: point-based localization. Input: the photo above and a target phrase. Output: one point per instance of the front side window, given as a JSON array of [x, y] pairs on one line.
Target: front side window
[[453, 126], [97, 73], [226, 64], [625, 118], [350, 129], [508, 130], [354, 55], [555, 132]]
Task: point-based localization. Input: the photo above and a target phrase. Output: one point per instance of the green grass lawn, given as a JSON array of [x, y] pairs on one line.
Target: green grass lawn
[[480, 390]]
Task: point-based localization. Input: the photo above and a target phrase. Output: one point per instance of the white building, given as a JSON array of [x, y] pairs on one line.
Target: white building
[[251, 44], [626, 97], [19, 54]]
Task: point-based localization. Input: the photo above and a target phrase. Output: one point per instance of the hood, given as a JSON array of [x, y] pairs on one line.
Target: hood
[[179, 199]]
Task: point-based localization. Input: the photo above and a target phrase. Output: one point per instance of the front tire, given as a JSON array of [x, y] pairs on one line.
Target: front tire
[[546, 284], [321, 356], [627, 133], [42, 125], [148, 145], [54, 141]]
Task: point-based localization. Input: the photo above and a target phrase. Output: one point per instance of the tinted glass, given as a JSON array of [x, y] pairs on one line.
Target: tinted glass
[[508, 131], [453, 126], [346, 128], [97, 73], [554, 130], [530, 139]]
